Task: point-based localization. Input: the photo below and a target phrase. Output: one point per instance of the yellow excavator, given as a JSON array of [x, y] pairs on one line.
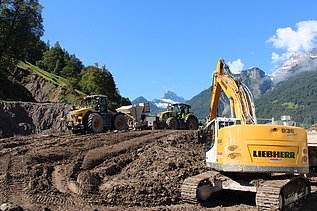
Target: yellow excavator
[[268, 159]]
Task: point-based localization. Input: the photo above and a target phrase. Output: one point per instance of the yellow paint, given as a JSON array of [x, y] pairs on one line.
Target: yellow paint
[[262, 145]]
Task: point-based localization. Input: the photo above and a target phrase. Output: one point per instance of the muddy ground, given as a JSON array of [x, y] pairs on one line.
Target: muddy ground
[[136, 170]]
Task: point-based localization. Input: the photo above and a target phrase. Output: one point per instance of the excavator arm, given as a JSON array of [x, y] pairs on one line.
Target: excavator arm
[[240, 97]]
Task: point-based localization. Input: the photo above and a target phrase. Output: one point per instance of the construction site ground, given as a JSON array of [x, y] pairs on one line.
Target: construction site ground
[[135, 170]]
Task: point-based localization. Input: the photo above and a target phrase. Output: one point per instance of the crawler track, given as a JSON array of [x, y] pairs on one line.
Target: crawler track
[[198, 188], [276, 194]]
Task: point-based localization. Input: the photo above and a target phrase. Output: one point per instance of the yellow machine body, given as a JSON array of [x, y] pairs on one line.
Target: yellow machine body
[[167, 114], [75, 117], [259, 149]]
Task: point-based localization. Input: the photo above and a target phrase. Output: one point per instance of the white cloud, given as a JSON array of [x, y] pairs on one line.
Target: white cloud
[[275, 56], [303, 38], [236, 66]]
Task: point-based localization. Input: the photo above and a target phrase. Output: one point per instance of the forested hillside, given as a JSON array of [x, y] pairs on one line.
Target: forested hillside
[[200, 103], [296, 97]]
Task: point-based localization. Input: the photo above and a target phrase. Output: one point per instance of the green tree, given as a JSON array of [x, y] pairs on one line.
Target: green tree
[[100, 81], [53, 59], [58, 61], [36, 51], [97, 81], [20, 28], [72, 68]]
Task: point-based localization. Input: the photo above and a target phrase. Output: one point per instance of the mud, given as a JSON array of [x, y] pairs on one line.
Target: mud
[[136, 170]]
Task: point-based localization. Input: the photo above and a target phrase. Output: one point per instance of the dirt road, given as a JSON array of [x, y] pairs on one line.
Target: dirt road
[[136, 170]]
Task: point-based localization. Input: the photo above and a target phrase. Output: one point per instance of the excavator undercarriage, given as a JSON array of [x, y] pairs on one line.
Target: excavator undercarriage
[[278, 192]]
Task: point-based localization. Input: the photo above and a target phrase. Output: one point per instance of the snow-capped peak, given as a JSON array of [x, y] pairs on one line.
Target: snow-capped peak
[[297, 63], [168, 98]]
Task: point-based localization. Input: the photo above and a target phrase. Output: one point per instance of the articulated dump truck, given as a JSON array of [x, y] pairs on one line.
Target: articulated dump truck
[[136, 115], [271, 160]]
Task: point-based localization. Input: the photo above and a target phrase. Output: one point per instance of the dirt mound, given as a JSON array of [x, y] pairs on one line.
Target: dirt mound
[[155, 177], [24, 118]]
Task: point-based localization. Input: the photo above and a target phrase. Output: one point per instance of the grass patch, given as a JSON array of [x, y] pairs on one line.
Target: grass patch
[[290, 105], [73, 96], [58, 80]]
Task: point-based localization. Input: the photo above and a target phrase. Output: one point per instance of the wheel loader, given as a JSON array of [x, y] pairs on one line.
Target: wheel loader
[[270, 160], [95, 117], [176, 117]]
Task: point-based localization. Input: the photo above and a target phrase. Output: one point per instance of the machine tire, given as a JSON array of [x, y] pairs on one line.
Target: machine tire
[[192, 123], [120, 122], [95, 123], [172, 123]]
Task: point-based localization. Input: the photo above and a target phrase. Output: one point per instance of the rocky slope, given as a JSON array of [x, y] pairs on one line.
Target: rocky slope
[[34, 107], [41, 89], [24, 118], [256, 80]]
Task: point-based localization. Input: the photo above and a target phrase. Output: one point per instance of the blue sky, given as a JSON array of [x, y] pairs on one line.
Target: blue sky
[[152, 46]]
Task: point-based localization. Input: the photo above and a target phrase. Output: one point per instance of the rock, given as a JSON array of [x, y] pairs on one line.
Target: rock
[[10, 207]]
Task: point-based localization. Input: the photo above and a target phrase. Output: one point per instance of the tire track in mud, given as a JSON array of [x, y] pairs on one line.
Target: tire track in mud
[[97, 156], [83, 181], [4, 177], [53, 178], [12, 181], [69, 170]]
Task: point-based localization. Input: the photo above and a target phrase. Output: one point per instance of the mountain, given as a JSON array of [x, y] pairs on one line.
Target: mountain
[[159, 105], [138, 100], [200, 103], [296, 97], [154, 108], [169, 97], [296, 64], [254, 78]]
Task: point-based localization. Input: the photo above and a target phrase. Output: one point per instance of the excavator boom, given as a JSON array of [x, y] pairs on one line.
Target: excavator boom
[[240, 97]]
